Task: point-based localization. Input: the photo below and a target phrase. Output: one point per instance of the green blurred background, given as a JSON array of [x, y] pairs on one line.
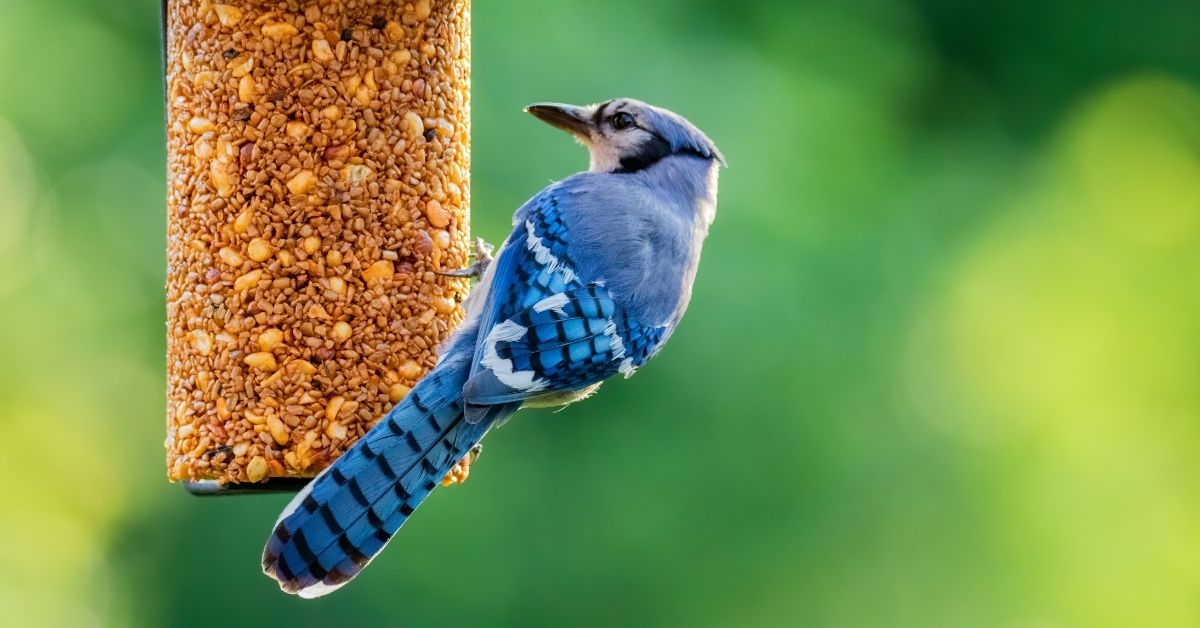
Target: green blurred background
[[940, 369]]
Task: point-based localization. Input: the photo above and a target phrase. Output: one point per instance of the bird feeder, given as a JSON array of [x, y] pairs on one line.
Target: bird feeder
[[318, 179]]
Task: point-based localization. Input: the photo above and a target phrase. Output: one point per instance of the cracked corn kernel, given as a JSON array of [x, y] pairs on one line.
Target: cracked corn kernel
[[414, 124], [422, 8], [297, 130], [304, 367], [382, 269], [336, 431], [335, 406], [227, 14], [247, 281], [278, 231], [355, 173], [441, 238], [444, 305], [241, 65], [302, 182], [203, 149], [201, 125], [261, 360], [410, 370], [397, 392], [321, 50], [201, 341], [242, 222], [270, 339], [337, 285], [394, 31], [311, 244], [204, 80]]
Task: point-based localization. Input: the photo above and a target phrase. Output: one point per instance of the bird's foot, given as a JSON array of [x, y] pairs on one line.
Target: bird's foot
[[483, 259], [461, 471]]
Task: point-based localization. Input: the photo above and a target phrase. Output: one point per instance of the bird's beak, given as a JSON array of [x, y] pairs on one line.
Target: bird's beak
[[572, 119]]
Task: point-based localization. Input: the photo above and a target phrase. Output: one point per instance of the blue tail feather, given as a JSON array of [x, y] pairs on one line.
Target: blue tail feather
[[346, 515]]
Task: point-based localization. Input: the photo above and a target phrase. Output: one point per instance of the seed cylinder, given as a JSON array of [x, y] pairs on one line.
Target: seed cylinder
[[318, 177]]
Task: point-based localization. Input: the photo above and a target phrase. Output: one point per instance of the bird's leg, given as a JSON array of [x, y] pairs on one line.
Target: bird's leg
[[462, 469], [483, 258]]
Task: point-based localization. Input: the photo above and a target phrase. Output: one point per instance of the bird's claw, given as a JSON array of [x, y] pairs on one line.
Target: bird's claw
[[462, 470], [483, 259]]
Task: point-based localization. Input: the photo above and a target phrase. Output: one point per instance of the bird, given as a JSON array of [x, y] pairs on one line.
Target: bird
[[591, 283]]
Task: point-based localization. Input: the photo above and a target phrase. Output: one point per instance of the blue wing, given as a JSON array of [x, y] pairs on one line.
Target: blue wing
[[548, 329]]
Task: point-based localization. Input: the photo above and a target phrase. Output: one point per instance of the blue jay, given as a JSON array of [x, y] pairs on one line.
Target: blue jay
[[591, 282]]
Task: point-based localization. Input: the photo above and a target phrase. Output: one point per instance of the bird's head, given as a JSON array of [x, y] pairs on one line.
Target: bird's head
[[626, 135]]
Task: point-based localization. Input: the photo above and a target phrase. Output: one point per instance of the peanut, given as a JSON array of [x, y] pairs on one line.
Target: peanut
[[231, 257], [246, 89], [256, 470], [277, 429], [341, 331], [279, 30], [259, 250], [255, 417], [436, 214]]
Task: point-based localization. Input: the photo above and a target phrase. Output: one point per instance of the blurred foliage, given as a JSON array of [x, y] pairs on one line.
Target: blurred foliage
[[940, 367]]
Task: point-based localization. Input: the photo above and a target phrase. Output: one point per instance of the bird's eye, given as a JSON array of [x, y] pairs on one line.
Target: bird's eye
[[621, 120]]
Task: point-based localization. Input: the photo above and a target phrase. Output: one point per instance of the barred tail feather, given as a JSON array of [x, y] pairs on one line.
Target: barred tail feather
[[345, 516]]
